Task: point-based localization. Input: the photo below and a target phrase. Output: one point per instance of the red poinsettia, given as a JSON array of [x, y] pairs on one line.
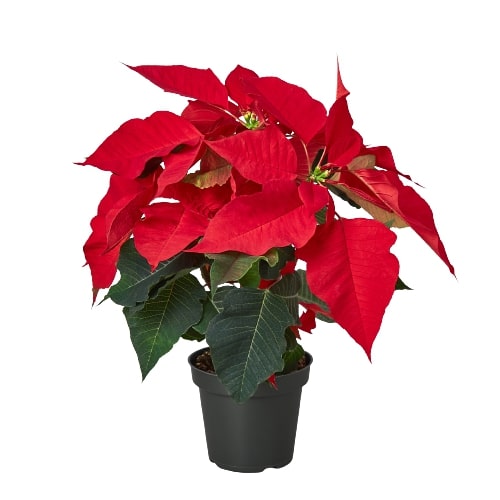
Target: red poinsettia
[[241, 186]]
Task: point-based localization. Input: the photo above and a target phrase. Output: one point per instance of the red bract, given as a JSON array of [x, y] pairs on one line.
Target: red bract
[[289, 104], [117, 214], [245, 185], [200, 84], [275, 217], [259, 155], [350, 267], [166, 230], [126, 151]]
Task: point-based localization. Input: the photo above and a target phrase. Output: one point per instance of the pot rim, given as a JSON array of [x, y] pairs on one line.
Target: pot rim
[[285, 382]]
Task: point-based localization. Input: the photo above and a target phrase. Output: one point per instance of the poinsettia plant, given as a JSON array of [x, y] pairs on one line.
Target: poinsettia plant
[[224, 223]]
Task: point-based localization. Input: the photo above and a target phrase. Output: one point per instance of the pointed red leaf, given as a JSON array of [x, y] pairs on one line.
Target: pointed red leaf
[[290, 104], [341, 90], [117, 213], [272, 381], [314, 196], [211, 121], [259, 155], [242, 186], [350, 267], [198, 83], [254, 223], [236, 88], [308, 321], [350, 180], [343, 142], [307, 155], [166, 230], [405, 202], [129, 197], [102, 263], [207, 202], [383, 158], [126, 151], [177, 164]]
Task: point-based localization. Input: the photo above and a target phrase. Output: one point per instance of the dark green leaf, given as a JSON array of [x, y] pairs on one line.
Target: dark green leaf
[[252, 277], [247, 339], [136, 278], [272, 272], [288, 287], [321, 215], [218, 298], [209, 311], [233, 266], [343, 196], [400, 285], [294, 352], [229, 267], [192, 334], [156, 327]]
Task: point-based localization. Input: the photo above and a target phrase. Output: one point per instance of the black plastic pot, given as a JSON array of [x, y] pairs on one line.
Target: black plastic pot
[[254, 435]]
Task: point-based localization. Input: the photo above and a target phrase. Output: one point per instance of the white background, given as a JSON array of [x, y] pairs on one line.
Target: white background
[[420, 422]]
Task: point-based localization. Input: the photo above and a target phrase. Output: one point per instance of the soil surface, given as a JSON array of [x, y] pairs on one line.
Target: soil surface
[[204, 362]]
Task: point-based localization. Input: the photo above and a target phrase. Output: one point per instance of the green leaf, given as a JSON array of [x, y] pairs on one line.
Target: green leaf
[[217, 176], [218, 298], [400, 285], [233, 266], [136, 278], [288, 287], [228, 267], [252, 277], [247, 339], [271, 271], [157, 326], [197, 332], [321, 215], [192, 334], [209, 311], [293, 353]]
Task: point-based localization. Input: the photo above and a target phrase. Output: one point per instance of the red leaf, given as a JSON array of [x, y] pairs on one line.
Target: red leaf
[[350, 267], [314, 196], [343, 142], [126, 151], [129, 197], [254, 223], [306, 156], [308, 321], [177, 164], [206, 201], [288, 268], [200, 84], [405, 202], [290, 104], [102, 264], [341, 90], [210, 121], [383, 158], [166, 230], [237, 89], [117, 213], [242, 186], [272, 381], [259, 155], [351, 181]]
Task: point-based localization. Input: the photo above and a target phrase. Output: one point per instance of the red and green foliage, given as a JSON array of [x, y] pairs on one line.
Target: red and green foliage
[[210, 215]]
